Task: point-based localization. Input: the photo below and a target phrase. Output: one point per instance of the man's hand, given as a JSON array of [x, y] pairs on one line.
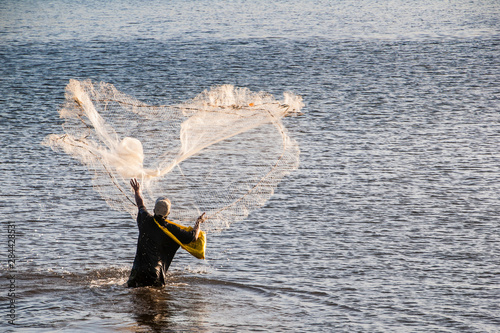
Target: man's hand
[[135, 185], [201, 219]]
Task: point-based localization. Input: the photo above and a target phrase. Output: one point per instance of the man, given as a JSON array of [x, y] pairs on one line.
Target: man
[[155, 249]]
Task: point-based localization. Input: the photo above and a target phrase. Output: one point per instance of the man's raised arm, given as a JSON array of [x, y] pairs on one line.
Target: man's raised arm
[[137, 190], [199, 221]]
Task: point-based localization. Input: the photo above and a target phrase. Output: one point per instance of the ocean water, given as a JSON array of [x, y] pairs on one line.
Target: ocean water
[[391, 224]]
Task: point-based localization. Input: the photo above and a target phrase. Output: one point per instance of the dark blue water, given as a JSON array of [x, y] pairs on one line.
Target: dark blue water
[[391, 223]]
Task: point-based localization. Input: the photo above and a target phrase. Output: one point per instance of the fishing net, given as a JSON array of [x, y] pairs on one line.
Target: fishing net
[[223, 152]]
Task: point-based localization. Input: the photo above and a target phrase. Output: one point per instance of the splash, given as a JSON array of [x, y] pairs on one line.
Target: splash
[[223, 152]]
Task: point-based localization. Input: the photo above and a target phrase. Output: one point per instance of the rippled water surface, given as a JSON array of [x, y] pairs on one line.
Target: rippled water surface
[[391, 223]]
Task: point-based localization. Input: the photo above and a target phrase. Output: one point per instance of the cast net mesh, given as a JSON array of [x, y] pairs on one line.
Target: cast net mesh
[[223, 152]]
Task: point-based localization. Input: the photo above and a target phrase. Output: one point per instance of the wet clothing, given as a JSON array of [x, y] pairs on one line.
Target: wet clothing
[[155, 250]]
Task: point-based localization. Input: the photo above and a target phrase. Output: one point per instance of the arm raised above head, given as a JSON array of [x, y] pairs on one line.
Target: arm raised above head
[[137, 190]]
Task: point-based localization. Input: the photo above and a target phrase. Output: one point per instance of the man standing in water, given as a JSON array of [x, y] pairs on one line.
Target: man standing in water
[[155, 249]]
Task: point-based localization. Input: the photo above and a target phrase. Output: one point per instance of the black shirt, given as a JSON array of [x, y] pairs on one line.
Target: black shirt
[[155, 250]]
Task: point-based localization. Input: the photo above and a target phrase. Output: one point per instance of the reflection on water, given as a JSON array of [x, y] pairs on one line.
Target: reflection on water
[[175, 307], [152, 308]]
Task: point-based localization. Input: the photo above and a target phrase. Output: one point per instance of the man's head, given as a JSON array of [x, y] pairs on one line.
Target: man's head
[[162, 207]]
